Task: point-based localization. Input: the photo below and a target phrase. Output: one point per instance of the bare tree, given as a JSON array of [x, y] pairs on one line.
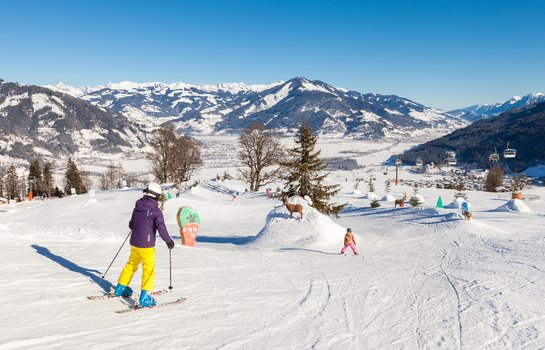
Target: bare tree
[[187, 159], [259, 149], [113, 177], [174, 158], [494, 179], [162, 159]]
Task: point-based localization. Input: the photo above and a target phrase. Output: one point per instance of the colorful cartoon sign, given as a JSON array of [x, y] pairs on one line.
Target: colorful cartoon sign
[[189, 222]]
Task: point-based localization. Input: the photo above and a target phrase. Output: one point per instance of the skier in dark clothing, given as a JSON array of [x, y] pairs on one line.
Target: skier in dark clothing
[[146, 219]]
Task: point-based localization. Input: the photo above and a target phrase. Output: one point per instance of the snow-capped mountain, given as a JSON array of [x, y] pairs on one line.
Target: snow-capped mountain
[[38, 121], [476, 112], [198, 107], [220, 108]]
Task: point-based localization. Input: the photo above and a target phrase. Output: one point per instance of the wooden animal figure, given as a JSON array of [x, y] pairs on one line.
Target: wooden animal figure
[[298, 208], [401, 201]]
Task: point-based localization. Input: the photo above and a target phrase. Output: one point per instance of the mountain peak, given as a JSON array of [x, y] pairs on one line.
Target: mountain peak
[[482, 111]]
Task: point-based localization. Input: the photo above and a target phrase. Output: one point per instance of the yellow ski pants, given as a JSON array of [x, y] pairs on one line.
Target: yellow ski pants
[[146, 256]]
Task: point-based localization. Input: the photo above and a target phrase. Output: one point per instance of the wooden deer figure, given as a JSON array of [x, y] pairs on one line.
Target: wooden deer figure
[[401, 201], [298, 208]]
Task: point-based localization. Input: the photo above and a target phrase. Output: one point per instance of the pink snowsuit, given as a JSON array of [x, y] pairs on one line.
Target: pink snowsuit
[[349, 241]]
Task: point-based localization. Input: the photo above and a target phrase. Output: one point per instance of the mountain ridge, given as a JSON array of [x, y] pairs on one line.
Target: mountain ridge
[[228, 107], [36, 121], [480, 111]]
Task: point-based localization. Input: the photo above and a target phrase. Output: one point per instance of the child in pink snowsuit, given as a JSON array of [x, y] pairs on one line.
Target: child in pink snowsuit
[[349, 241]]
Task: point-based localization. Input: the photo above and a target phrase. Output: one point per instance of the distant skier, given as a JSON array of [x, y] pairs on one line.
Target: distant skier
[[465, 211], [146, 219], [349, 241]]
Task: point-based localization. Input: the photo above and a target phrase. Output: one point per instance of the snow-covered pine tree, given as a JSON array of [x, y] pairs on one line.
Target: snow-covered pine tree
[[388, 185], [415, 199], [305, 173]]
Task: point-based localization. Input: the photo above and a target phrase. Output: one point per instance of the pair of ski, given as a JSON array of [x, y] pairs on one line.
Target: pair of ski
[[136, 307]]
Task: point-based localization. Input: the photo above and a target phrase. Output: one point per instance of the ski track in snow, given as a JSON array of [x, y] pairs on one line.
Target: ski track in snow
[[425, 279]]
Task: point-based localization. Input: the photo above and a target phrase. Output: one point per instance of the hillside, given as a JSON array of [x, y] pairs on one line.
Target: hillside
[[522, 128], [36, 121]]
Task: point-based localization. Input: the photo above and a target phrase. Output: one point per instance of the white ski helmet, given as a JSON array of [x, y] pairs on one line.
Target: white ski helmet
[[153, 190]]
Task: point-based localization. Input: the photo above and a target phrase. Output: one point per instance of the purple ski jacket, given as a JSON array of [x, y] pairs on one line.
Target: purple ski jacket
[[146, 219]]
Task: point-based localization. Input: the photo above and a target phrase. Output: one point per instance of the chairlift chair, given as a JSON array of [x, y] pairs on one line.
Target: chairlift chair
[[398, 162], [451, 160], [509, 152], [385, 171], [419, 161], [494, 157]]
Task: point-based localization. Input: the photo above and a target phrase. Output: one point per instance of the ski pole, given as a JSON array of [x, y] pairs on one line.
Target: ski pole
[[170, 267], [116, 255]]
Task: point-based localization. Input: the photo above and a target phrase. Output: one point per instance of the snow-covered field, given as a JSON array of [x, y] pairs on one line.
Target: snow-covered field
[[257, 279]]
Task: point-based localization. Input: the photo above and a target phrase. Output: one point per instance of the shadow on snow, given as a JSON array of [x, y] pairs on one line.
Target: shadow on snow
[[308, 250], [93, 275], [236, 240]]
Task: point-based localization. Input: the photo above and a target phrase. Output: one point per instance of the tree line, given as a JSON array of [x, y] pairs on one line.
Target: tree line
[[174, 158]]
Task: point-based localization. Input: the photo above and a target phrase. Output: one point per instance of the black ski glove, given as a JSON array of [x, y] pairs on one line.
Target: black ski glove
[[170, 244]]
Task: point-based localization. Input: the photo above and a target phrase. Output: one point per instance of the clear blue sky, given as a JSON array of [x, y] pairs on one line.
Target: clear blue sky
[[444, 54]]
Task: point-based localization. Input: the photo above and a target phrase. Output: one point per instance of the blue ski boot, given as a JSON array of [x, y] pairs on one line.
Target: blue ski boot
[[146, 300], [122, 291]]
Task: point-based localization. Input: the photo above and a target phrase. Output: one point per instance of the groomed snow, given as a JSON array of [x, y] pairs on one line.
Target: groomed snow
[[258, 279]]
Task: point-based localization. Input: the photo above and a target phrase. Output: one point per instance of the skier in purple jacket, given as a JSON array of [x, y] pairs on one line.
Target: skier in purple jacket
[[146, 219]]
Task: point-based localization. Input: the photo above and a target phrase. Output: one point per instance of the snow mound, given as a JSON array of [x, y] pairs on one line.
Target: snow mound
[[371, 196], [420, 198], [315, 230], [514, 205], [388, 198], [457, 204], [357, 192]]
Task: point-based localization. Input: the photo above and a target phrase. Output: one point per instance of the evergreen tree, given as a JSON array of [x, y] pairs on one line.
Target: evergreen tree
[[12, 183], [1, 185], [371, 185], [35, 178], [47, 180], [58, 193], [305, 174], [72, 178], [415, 199], [388, 185], [375, 203]]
